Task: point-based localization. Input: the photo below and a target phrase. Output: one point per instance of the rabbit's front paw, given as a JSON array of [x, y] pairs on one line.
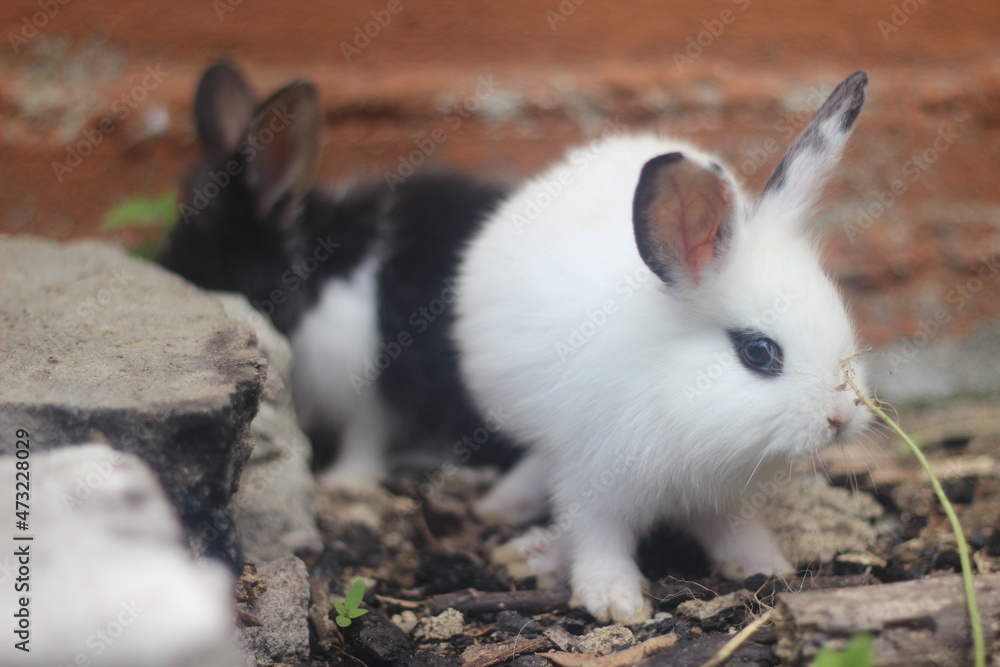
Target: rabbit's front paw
[[534, 554], [615, 598]]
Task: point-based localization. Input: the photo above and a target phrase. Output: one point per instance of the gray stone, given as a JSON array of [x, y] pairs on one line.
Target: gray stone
[[275, 506], [283, 612], [111, 580], [100, 346]]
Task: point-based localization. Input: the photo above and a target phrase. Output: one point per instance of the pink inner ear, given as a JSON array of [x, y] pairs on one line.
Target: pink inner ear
[[688, 211]]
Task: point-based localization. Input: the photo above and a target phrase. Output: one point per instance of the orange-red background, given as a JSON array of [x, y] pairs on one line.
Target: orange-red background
[[934, 67]]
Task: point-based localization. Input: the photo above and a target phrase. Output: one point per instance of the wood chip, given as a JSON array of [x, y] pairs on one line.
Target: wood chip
[[561, 637], [911, 622], [959, 467], [886, 467], [629, 656], [863, 560], [404, 604], [738, 640], [484, 655]]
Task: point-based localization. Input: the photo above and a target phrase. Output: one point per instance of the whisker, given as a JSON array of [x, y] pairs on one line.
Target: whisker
[[754, 472], [826, 471]]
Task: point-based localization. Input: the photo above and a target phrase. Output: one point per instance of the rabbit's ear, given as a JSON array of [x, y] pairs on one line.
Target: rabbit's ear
[[799, 178], [282, 146], [683, 216], [223, 105]]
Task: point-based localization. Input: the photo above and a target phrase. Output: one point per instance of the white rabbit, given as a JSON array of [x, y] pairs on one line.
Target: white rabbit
[[657, 341]]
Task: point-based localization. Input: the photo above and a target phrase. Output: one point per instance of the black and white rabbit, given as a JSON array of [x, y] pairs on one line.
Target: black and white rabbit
[[359, 277], [657, 340]]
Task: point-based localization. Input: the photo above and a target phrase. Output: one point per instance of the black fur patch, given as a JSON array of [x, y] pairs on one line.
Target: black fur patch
[[220, 245], [851, 91], [431, 220], [282, 257], [645, 193], [419, 232]]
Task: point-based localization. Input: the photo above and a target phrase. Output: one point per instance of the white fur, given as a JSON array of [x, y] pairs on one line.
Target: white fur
[[628, 391], [331, 346]]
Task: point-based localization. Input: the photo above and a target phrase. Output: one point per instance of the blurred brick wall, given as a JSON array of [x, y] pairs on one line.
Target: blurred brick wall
[[912, 217]]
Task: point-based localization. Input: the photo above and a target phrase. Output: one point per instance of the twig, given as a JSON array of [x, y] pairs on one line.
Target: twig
[[404, 604], [484, 655], [740, 638], [471, 601]]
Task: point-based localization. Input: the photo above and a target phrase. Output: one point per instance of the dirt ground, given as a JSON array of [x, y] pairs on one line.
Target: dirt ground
[[435, 598]]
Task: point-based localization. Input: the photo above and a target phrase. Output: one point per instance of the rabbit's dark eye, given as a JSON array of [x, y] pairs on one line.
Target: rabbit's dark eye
[[757, 352]]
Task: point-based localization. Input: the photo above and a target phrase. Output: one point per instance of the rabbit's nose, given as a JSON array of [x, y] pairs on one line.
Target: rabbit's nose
[[841, 415], [838, 424]]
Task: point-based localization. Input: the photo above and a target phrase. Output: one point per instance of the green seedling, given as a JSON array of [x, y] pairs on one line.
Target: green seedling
[[857, 653], [348, 610], [975, 620]]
